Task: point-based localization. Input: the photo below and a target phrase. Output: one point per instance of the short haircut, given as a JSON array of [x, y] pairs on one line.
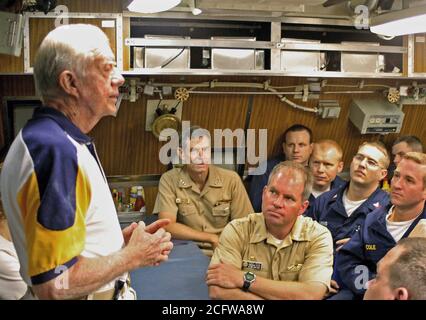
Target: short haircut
[[419, 158], [68, 47], [298, 128], [326, 143], [304, 171], [409, 269], [412, 141], [381, 147], [193, 132]]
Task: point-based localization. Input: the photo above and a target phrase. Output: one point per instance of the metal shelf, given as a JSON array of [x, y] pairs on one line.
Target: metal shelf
[[275, 46], [240, 44], [268, 73], [146, 180], [244, 44]]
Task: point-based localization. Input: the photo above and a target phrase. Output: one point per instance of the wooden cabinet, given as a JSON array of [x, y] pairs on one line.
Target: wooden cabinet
[[417, 55], [11, 64], [37, 26]]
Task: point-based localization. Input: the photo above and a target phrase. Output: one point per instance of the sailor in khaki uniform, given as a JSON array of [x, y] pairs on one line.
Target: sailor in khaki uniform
[[276, 254], [200, 198]]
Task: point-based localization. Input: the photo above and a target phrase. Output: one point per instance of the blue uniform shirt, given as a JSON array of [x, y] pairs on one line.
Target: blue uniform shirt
[[329, 211], [366, 247], [335, 184]]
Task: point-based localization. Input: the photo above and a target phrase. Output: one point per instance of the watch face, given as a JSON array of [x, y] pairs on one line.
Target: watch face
[[249, 276]]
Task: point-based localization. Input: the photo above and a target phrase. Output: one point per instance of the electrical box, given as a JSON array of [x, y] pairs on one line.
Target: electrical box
[[361, 62], [329, 109], [157, 57], [241, 59], [301, 61], [375, 116]]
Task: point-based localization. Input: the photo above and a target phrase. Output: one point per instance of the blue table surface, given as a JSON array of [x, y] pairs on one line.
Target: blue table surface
[[182, 277]]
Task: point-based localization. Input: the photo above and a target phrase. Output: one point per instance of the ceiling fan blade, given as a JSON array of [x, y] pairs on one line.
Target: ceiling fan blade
[[330, 3]]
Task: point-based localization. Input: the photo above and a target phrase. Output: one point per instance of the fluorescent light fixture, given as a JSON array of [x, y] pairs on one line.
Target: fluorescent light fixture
[[401, 22], [152, 6]]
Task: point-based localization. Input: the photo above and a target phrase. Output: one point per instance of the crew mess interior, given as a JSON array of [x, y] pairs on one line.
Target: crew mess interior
[[213, 149]]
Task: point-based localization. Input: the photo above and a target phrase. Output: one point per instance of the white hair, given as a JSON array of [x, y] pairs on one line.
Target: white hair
[[68, 47]]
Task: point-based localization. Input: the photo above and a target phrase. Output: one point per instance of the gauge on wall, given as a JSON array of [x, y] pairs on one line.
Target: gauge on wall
[[165, 125]]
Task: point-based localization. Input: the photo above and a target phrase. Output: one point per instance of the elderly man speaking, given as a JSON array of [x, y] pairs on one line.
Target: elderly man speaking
[[55, 194]]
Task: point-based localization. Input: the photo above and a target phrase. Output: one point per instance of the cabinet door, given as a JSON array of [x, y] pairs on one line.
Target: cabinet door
[[40, 27], [420, 53], [11, 64]]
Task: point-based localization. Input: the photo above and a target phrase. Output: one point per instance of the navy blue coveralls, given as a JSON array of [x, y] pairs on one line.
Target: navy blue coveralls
[[335, 184], [329, 211], [366, 247]]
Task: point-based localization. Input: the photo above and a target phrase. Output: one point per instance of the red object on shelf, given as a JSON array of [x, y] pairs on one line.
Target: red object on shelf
[[140, 202]]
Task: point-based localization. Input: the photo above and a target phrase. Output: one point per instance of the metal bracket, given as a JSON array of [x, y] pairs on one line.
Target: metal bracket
[[11, 33], [305, 92], [410, 55], [133, 94]]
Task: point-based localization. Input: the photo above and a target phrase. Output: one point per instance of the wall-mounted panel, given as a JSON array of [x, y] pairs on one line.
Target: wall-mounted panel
[[125, 148]]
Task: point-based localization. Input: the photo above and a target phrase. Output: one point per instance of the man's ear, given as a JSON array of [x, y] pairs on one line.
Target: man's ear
[[340, 166], [264, 194], [179, 152], [383, 173], [67, 81], [401, 293], [304, 206]]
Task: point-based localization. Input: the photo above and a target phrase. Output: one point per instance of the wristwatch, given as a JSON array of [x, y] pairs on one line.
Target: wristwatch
[[249, 278]]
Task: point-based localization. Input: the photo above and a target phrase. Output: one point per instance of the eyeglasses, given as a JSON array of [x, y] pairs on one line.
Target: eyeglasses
[[370, 163]]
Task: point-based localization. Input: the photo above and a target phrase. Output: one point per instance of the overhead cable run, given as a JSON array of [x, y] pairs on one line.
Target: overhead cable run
[[182, 91]]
